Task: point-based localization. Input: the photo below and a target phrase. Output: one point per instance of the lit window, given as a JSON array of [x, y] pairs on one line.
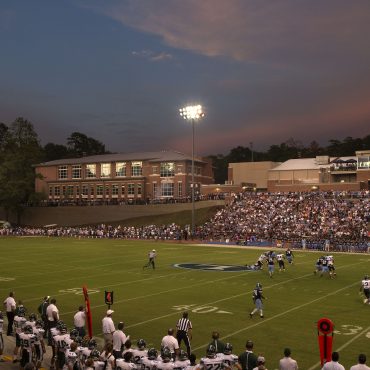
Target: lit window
[[105, 170], [90, 170], [155, 190], [179, 189], [155, 169], [167, 169], [62, 172], [121, 169], [137, 168], [123, 191], [70, 190]]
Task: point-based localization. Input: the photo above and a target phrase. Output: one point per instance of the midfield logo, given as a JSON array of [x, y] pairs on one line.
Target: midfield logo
[[211, 267]]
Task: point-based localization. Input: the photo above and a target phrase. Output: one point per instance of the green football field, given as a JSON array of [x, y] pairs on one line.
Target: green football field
[[151, 301]]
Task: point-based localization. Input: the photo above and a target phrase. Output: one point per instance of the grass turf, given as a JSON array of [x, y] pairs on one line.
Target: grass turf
[[150, 302]]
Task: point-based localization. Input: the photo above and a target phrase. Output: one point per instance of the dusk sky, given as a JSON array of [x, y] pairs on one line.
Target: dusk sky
[[119, 70]]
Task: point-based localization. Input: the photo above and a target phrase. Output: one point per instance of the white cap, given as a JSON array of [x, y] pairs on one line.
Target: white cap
[[109, 312], [260, 359], [153, 250]]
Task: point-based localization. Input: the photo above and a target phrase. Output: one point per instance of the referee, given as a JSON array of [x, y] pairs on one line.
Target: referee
[[184, 328]]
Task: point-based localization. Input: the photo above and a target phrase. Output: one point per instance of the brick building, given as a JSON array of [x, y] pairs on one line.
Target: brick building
[[114, 178]]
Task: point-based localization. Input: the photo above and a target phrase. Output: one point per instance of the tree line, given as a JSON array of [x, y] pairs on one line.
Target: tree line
[[20, 150]]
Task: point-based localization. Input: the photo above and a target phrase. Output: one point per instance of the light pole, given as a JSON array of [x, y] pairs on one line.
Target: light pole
[[192, 113]]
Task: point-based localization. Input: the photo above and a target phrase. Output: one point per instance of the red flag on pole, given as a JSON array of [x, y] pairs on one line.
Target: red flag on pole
[[325, 332], [88, 311]]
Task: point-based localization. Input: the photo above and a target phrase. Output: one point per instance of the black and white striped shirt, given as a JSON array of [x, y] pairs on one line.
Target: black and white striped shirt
[[184, 324]]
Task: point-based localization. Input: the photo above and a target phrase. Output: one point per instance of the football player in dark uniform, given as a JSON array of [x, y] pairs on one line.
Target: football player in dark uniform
[[257, 300]]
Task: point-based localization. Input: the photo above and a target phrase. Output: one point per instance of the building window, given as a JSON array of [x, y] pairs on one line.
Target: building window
[[99, 189], [120, 169], [62, 172], [77, 191], [139, 189], [90, 170], [64, 190], [105, 170], [107, 190], [180, 168], [114, 189], [92, 190], [131, 189], [155, 170], [50, 191], [76, 171], [123, 191], [85, 190], [155, 190], [56, 191], [70, 190], [363, 163], [167, 169], [167, 189], [179, 189], [137, 168]]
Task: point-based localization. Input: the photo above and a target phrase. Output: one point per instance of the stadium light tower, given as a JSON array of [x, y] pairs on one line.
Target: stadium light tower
[[192, 113]]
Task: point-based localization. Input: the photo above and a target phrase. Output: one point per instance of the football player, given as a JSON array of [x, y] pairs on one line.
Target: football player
[[324, 266], [289, 256], [140, 352], [98, 364], [39, 345], [331, 267], [62, 341], [365, 287], [151, 255], [271, 264], [212, 361], [71, 362], [280, 258], [165, 362], [229, 359], [257, 297], [318, 265], [31, 320], [126, 363], [183, 362], [151, 361], [86, 351], [19, 321], [1, 335], [26, 339]]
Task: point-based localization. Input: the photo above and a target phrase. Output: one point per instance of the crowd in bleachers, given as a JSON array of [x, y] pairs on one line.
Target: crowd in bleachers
[[304, 220]]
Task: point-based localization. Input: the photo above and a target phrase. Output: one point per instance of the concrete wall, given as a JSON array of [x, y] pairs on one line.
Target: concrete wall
[[74, 215]]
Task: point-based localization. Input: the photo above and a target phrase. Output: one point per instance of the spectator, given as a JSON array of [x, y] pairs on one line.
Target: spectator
[[108, 327], [79, 321], [220, 346], [260, 363], [119, 340], [333, 364], [10, 306], [287, 363], [361, 363], [170, 342], [248, 360]]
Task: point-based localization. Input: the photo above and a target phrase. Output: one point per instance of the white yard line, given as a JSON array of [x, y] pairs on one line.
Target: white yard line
[[281, 314]]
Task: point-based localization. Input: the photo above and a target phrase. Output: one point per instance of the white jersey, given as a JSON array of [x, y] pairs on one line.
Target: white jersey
[[229, 360], [169, 365], [147, 364], [19, 324], [366, 284], [99, 365], [84, 354], [280, 257], [27, 341], [261, 258], [215, 363], [181, 365], [63, 342], [121, 364], [39, 334], [138, 355], [71, 359], [31, 323]]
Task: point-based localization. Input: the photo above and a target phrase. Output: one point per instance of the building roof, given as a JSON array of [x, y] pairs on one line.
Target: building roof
[[160, 156], [308, 163]]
